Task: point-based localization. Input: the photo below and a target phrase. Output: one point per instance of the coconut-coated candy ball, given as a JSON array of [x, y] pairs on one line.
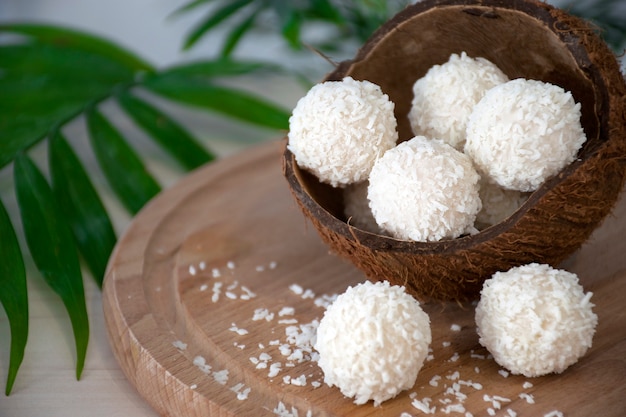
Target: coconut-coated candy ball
[[523, 132], [535, 319], [444, 98], [424, 190], [372, 342], [339, 129]]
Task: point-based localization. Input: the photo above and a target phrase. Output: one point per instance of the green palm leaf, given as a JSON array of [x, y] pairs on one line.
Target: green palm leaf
[[166, 132], [214, 19], [44, 86], [52, 247], [76, 40], [205, 94], [13, 294], [121, 165], [81, 204]]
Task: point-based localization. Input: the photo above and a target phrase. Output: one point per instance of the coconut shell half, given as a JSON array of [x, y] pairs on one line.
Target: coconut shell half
[[526, 39]]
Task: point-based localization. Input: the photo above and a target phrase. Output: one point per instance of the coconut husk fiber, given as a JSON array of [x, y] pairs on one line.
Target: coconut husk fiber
[[526, 39]]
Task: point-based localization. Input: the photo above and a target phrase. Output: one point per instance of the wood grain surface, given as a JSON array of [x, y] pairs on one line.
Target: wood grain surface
[[214, 280]]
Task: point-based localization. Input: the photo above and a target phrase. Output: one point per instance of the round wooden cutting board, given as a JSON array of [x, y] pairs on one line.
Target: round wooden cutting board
[[214, 292]]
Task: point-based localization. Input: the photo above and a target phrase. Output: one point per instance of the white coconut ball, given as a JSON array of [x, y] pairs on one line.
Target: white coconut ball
[[523, 132], [372, 342], [424, 190], [535, 319], [497, 203], [357, 209], [444, 98], [340, 128]]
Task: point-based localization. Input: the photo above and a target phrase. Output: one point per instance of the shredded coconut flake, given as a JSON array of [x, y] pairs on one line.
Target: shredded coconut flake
[[179, 345]]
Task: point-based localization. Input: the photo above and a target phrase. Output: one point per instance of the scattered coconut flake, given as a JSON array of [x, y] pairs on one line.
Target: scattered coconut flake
[[215, 273], [299, 381], [221, 377], [273, 265], [262, 314], [453, 408], [217, 289], [247, 295], [180, 345], [434, 381], [530, 399], [423, 405], [200, 363], [325, 300], [455, 328], [445, 344], [496, 400], [454, 376], [230, 265], [511, 413], [527, 385], [231, 295], [455, 357], [260, 268], [308, 293], [193, 386], [477, 355], [503, 373], [202, 265], [204, 287], [282, 411], [192, 270], [286, 311], [296, 289], [275, 368], [237, 330], [553, 413]]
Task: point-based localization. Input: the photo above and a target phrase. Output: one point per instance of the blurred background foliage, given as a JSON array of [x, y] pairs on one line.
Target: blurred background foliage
[[51, 76]]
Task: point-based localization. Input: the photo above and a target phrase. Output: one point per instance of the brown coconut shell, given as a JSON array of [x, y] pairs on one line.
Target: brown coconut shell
[[525, 38]]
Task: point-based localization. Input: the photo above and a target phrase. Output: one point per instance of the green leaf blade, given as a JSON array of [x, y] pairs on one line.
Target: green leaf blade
[[74, 39], [121, 165], [166, 132], [214, 19], [223, 67], [237, 33], [80, 202], [44, 86], [231, 102], [52, 247], [13, 294]]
